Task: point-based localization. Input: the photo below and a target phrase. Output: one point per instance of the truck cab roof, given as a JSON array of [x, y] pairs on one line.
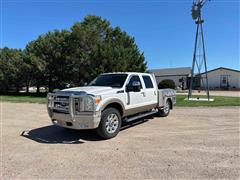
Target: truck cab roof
[[129, 73]]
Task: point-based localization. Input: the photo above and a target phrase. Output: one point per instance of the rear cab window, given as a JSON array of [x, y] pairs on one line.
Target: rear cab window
[[148, 81]]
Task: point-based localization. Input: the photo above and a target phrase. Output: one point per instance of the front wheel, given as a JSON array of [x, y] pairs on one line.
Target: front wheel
[[166, 109], [110, 123]]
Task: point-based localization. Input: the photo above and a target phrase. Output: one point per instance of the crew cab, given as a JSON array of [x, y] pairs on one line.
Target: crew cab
[[109, 100]]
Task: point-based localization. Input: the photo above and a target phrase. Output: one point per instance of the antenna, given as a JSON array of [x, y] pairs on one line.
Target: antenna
[[199, 55]]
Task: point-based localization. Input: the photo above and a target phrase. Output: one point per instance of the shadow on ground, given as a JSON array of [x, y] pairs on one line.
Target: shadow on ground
[[57, 135]]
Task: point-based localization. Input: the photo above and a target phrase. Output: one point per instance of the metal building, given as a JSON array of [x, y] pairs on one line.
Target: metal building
[[219, 78], [179, 75], [223, 78]]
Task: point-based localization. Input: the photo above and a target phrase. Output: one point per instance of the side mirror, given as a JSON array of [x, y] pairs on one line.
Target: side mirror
[[134, 87]]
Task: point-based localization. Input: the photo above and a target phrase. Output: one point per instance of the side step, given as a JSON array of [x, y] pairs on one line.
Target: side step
[[140, 116]]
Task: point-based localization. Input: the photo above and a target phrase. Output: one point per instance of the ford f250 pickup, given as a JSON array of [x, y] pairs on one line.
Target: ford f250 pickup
[[109, 100]]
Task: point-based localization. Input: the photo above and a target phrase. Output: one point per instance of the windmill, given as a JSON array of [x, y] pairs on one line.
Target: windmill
[[199, 55]]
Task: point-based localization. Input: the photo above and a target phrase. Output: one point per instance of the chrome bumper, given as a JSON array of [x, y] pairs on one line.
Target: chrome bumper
[[69, 118], [79, 122]]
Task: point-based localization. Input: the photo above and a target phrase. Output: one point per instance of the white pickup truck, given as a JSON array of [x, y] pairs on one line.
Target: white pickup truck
[[108, 100]]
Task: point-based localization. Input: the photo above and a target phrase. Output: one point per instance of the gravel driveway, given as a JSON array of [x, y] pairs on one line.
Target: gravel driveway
[[189, 143]]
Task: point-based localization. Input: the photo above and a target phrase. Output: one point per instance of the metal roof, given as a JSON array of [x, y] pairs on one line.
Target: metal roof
[[172, 71], [222, 68]]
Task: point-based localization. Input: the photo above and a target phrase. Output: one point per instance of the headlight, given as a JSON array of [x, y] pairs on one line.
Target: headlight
[[89, 103]]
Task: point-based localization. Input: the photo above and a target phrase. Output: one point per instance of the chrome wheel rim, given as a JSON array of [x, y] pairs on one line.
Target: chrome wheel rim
[[112, 123], [166, 107]]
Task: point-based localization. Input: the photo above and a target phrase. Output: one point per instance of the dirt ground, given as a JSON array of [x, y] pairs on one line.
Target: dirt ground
[[214, 93], [190, 143]]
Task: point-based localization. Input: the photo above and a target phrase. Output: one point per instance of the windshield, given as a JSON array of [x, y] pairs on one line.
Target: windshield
[[110, 80]]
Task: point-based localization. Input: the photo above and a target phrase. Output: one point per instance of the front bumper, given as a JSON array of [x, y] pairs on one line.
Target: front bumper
[[79, 122], [70, 118]]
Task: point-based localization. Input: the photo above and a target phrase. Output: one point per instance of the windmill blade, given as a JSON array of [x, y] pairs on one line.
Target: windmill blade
[[197, 7], [203, 2], [196, 10]]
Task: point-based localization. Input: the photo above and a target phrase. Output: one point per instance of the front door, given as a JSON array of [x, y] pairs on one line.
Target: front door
[[135, 100]]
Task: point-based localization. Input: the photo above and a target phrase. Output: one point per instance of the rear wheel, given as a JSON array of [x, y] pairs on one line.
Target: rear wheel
[[166, 109], [110, 123]]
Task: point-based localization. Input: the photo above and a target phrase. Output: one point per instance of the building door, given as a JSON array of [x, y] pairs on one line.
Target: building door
[[224, 81]]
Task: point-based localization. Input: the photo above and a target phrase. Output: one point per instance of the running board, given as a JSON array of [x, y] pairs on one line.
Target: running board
[[140, 116]]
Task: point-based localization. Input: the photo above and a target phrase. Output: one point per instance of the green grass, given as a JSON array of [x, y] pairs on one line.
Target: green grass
[[21, 99], [218, 101]]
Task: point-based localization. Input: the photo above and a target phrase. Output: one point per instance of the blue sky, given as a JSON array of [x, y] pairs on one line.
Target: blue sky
[[163, 29]]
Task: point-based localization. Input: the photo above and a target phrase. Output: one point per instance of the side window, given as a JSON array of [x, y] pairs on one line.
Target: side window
[[135, 78], [148, 82]]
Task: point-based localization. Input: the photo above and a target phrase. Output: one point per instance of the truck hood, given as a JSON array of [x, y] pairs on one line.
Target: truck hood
[[95, 90]]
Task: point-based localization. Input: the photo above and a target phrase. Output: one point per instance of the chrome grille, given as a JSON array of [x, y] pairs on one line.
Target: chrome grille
[[60, 103], [67, 104]]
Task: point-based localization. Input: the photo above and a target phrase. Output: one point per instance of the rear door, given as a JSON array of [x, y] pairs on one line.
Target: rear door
[[150, 90]]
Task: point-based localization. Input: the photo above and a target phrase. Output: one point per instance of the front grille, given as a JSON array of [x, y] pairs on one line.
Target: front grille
[[61, 103], [61, 98], [78, 104]]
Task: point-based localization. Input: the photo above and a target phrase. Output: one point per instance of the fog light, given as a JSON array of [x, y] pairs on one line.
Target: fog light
[[54, 121]]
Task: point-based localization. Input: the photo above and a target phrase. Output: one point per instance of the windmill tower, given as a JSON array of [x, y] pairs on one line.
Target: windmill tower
[[199, 55]]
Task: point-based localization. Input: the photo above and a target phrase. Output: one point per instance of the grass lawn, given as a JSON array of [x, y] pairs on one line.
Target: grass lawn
[[21, 99], [218, 100]]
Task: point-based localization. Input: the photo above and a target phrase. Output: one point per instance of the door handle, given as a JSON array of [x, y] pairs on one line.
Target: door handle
[[143, 93]]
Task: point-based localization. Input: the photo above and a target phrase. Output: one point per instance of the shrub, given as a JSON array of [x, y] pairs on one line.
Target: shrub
[[166, 83]]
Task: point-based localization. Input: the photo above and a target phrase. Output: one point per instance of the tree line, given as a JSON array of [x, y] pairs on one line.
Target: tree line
[[70, 57]]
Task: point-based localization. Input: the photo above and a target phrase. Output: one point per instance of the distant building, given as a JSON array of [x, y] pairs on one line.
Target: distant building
[[179, 75], [222, 78], [219, 78]]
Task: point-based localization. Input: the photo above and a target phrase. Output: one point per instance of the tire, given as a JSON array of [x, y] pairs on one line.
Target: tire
[[166, 109], [110, 123]]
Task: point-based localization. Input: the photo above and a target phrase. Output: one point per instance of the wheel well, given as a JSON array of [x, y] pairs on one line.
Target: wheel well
[[171, 105], [116, 106]]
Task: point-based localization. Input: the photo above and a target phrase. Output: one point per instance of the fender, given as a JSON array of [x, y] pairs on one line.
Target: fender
[[108, 101]]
